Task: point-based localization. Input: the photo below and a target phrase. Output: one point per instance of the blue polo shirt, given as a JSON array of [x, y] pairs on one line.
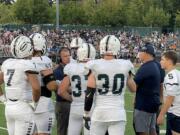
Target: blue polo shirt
[[59, 75], [148, 80]]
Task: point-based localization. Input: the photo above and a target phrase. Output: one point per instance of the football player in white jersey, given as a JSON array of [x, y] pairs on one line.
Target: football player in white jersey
[[171, 92], [22, 88], [107, 82], [44, 114], [76, 77], [74, 45]]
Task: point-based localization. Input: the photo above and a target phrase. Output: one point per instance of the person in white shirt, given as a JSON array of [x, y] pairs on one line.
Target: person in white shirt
[[107, 82], [171, 104], [44, 114], [22, 88]]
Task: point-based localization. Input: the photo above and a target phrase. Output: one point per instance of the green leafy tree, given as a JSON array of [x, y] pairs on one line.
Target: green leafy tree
[[23, 10], [41, 12], [135, 12], [172, 7], [7, 14], [89, 7], [178, 19], [33, 11], [156, 17], [72, 13], [4, 10], [107, 13]]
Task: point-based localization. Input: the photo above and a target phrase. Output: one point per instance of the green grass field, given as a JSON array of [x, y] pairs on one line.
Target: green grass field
[[129, 108]]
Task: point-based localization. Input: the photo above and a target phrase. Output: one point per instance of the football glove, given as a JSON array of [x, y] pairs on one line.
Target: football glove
[[87, 122]]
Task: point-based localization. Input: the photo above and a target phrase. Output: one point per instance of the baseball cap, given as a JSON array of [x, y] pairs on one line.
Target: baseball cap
[[148, 48]]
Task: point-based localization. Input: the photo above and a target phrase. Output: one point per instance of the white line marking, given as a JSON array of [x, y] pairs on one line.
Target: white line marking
[[162, 131], [3, 128], [129, 111]]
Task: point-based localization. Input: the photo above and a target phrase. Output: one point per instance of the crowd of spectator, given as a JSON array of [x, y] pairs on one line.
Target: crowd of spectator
[[130, 42]]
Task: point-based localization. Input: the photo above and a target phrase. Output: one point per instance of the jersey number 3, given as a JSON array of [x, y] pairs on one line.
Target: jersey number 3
[[77, 92]]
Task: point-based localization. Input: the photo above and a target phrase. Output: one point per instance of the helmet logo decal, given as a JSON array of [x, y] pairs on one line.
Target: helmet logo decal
[[23, 47]]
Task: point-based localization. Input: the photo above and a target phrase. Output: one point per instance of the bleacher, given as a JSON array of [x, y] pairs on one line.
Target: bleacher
[[4, 55]]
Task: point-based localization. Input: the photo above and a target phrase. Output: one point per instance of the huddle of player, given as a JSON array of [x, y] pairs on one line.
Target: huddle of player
[[97, 88], [28, 80]]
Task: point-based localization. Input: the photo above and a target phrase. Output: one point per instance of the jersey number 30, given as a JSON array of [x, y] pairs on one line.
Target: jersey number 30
[[118, 79]]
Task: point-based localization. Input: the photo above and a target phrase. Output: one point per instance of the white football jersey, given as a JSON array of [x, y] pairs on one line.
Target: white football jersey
[[45, 104], [172, 88], [17, 86], [78, 78], [111, 77]]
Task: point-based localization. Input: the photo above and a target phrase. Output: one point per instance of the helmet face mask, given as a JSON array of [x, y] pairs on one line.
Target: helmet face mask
[[86, 52], [74, 45], [39, 42], [21, 47], [109, 45]]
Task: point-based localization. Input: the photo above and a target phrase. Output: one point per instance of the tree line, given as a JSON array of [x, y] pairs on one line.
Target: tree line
[[147, 13]]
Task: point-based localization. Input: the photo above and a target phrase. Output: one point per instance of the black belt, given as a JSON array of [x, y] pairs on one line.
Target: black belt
[[13, 100]]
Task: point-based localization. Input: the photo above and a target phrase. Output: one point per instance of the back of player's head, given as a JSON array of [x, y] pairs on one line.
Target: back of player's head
[[76, 42], [39, 42], [21, 47], [86, 52], [171, 55], [109, 45]]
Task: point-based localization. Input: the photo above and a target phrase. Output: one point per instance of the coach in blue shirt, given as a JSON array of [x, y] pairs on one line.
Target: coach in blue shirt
[[62, 107], [148, 79]]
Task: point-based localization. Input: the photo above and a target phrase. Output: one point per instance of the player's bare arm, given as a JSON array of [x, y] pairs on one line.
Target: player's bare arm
[[64, 89], [2, 97], [91, 81], [1, 77], [161, 92], [167, 103], [36, 89], [131, 84]]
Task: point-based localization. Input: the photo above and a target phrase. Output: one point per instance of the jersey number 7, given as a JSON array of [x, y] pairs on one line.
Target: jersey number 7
[[10, 73]]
